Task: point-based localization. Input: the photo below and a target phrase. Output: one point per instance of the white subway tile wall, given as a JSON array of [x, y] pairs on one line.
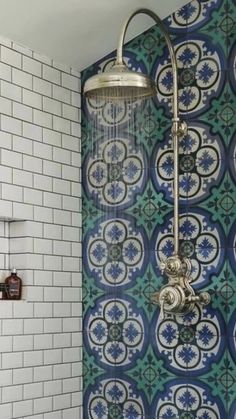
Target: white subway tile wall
[[40, 235]]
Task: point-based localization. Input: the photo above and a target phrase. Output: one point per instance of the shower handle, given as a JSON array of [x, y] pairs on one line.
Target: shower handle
[[174, 299], [171, 299]]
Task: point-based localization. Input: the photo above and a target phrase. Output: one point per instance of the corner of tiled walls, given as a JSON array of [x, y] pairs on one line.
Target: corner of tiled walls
[[40, 235]]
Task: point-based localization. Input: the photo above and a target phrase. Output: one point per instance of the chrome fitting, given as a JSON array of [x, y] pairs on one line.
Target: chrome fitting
[[179, 128], [178, 296], [174, 267]]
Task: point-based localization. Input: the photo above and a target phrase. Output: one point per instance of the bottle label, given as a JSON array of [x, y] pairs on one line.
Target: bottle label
[[13, 288]]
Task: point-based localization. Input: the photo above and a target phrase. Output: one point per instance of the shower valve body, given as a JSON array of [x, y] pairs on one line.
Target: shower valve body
[[178, 296]]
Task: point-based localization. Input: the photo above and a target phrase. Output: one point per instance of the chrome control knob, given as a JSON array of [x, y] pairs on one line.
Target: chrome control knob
[[175, 299], [172, 299], [204, 298]]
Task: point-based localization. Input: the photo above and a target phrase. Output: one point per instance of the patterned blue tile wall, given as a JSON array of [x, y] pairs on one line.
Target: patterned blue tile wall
[[135, 365]]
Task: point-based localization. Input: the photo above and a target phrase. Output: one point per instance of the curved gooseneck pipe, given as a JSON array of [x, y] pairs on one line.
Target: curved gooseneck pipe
[[177, 296], [119, 55], [177, 128]]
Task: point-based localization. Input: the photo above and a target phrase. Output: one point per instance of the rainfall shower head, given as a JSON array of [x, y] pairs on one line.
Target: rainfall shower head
[[120, 83]]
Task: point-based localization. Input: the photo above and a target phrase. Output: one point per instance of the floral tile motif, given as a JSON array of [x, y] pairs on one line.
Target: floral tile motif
[[193, 15], [114, 251], [150, 209], [116, 398], [143, 289], [90, 369], [150, 374], [136, 365], [191, 342], [200, 240], [221, 115], [222, 291], [221, 378], [150, 126], [114, 332], [200, 77], [192, 400], [216, 26], [91, 215], [115, 173], [201, 164], [142, 51], [221, 203]]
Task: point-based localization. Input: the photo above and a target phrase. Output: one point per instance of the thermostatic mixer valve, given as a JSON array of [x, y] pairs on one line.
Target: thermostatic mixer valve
[[178, 296]]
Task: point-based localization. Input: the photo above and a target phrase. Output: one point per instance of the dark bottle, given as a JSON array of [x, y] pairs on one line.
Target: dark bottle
[[12, 287]]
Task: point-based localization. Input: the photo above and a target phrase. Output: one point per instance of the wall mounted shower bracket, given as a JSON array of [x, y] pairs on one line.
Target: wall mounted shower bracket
[[121, 83], [180, 129]]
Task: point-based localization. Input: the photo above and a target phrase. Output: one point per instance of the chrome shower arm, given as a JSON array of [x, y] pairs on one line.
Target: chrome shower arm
[[178, 128], [120, 82], [119, 57]]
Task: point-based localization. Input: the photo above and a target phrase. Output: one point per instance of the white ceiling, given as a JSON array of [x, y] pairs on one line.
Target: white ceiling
[[76, 32]]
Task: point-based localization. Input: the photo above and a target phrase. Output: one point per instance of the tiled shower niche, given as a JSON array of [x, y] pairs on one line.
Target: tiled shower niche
[[135, 365]]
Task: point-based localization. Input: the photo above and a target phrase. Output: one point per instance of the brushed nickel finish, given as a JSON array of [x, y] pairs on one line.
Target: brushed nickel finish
[[121, 83], [178, 296]]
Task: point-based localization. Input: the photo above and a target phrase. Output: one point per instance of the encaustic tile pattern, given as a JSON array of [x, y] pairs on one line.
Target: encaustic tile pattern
[[137, 366]]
